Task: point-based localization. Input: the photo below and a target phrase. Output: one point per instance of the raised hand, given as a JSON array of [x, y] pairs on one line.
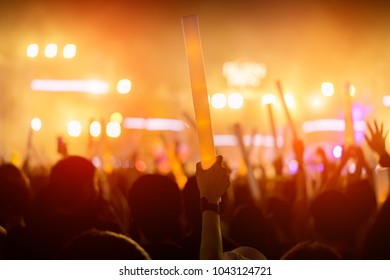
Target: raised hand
[[212, 182], [377, 138]]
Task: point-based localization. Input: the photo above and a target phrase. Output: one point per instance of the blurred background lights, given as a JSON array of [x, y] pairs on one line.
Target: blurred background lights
[[218, 101], [268, 98], [337, 151], [316, 102], [95, 129], [235, 100], [289, 99], [116, 117], [113, 129], [51, 50], [352, 90], [36, 124], [327, 89], [74, 128], [32, 50], [69, 51], [123, 86]]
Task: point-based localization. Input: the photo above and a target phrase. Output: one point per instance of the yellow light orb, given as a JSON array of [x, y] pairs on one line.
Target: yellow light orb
[[51, 50], [218, 101], [113, 129], [69, 51], [352, 90], [123, 86], [32, 50], [327, 89], [235, 100], [74, 128], [116, 117], [95, 129], [268, 98], [36, 124]]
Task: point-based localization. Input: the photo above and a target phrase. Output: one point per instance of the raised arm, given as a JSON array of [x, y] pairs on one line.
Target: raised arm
[[212, 184], [376, 139]]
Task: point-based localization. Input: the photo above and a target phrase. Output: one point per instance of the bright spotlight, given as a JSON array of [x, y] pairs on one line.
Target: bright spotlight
[[268, 99], [32, 50], [95, 129], [69, 51], [36, 124], [337, 151], [235, 100], [51, 50], [218, 100], [74, 128], [113, 129], [327, 89], [116, 117], [289, 99], [123, 86]]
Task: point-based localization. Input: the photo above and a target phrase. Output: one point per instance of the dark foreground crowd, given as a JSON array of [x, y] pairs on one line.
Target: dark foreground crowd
[[76, 211]]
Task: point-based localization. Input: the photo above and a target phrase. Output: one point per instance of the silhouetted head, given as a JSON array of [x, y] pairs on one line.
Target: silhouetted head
[[155, 205], [72, 181], [102, 245], [14, 190], [311, 250], [331, 211]]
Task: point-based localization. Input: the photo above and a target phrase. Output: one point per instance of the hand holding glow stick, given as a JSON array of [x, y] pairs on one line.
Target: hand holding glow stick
[[199, 90]]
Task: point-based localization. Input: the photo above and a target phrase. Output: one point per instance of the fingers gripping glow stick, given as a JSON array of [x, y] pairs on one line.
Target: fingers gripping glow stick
[[199, 90], [290, 121]]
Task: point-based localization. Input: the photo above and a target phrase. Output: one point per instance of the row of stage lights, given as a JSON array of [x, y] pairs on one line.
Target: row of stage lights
[[74, 128], [236, 100], [51, 50]]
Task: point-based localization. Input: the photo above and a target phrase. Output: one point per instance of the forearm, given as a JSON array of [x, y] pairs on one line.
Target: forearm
[[211, 244]]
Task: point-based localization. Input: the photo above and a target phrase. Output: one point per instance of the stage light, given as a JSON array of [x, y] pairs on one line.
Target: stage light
[[51, 50], [268, 98], [123, 86], [337, 151], [74, 128], [32, 50], [113, 129], [327, 89], [36, 124], [116, 117], [235, 100], [95, 129], [69, 51], [218, 101]]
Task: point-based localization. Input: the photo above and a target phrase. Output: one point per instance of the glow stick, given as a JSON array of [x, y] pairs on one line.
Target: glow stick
[[252, 182], [290, 121], [349, 129], [199, 90]]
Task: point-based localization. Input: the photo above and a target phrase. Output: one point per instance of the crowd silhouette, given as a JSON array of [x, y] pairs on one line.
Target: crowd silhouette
[[77, 211]]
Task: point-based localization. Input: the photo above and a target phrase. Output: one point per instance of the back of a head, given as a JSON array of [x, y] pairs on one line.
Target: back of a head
[[72, 181], [102, 245], [332, 215], [155, 206], [14, 190], [311, 250]]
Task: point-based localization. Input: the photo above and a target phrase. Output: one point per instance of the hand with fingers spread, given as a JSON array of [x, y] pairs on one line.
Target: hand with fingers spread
[[377, 142], [377, 138]]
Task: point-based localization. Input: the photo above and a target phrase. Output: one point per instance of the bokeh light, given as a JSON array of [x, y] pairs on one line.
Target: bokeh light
[[69, 51], [268, 98], [74, 128], [113, 129], [218, 101], [95, 129], [36, 124], [235, 100], [32, 50], [327, 88], [51, 50], [337, 151], [116, 117], [352, 90], [123, 86], [289, 99]]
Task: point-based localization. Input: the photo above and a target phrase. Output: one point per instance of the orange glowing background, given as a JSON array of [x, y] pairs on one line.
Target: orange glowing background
[[302, 43]]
